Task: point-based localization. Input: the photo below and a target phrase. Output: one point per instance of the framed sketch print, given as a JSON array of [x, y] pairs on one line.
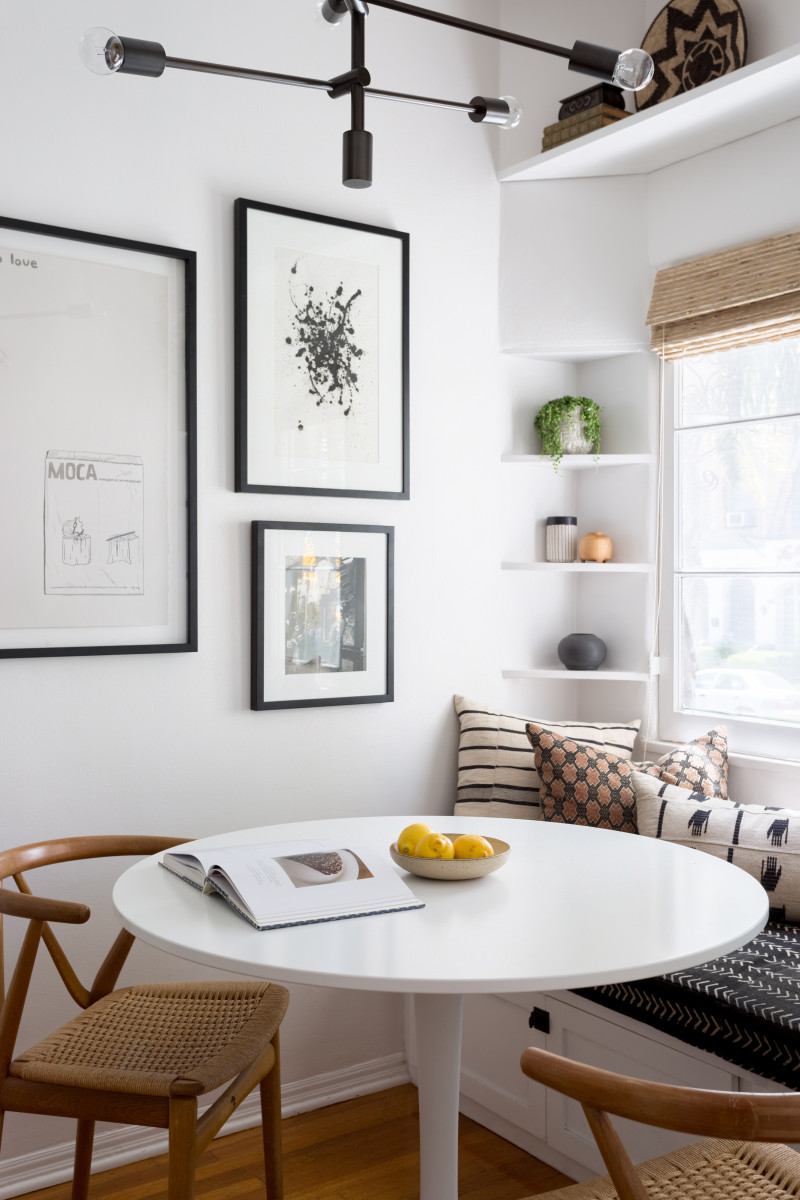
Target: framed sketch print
[[321, 355], [322, 614], [97, 461]]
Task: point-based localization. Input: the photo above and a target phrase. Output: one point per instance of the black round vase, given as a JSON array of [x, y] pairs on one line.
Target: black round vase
[[582, 651]]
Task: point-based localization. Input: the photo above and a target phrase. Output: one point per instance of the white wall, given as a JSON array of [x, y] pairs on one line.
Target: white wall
[[167, 743]]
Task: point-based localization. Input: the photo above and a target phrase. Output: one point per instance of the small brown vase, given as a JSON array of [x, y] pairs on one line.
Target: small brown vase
[[595, 547]]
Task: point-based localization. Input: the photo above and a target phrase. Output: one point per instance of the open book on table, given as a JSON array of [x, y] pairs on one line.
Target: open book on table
[[292, 883]]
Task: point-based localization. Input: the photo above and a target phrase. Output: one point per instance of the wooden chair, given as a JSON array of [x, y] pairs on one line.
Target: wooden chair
[[732, 1162], [140, 1055]]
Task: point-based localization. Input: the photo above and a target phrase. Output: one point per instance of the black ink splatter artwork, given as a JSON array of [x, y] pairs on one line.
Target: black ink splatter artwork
[[325, 341]]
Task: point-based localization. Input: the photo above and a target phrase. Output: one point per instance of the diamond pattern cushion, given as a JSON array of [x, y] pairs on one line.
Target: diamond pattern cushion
[[497, 775], [700, 765], [581, 784]]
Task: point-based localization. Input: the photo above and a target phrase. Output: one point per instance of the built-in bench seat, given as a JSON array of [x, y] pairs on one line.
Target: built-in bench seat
[[743, 1007]]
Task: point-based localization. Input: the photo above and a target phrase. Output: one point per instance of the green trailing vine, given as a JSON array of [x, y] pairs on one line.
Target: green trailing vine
[[548, 423]]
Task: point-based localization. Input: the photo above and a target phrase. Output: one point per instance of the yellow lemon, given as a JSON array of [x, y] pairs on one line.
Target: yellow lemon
[[472, 845], [411, 835], [434, 845]]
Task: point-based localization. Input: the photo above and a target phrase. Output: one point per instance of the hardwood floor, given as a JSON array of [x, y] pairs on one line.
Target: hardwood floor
[[362, 1149]]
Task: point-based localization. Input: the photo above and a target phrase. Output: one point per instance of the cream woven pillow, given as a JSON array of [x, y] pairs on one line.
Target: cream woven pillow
[[765, 842]]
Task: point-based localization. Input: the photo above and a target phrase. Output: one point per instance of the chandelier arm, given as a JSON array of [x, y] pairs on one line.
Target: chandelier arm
[[426, 101], [357, 140], [517, 39], [188, 64], [357, 56]]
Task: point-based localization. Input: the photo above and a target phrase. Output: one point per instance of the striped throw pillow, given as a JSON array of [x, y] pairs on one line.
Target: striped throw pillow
[[496, 772]]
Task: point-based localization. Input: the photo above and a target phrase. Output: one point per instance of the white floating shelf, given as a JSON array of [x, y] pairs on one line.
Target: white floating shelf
[[590, 568], [581, 462], [573, 351], [747, 101], [572, 676]]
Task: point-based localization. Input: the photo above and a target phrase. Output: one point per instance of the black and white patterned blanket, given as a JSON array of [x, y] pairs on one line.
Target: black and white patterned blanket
[[744, 1006]]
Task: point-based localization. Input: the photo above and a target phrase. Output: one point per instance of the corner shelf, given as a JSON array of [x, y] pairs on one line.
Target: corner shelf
[[581, 462], [608, 568], [747, 101], [571, 676]]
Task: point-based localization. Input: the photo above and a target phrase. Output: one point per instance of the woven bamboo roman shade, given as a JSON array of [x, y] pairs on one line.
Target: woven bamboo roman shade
[[750, 294]]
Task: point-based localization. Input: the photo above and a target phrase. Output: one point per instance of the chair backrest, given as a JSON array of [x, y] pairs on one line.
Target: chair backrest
[[740, 1116], [40, 912]]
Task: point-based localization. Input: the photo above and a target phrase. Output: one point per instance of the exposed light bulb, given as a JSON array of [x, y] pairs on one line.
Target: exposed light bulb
[[634, 70], [330, 13], [515, 112], [503, 111], [101, 51]]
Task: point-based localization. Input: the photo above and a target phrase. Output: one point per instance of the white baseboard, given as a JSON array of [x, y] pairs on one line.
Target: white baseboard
[[131, 1143]]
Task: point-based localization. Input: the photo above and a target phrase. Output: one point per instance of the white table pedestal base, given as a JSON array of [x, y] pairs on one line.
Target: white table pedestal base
[[438, 1019]]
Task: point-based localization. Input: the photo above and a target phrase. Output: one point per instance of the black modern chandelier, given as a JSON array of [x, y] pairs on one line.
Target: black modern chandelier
[[106, 53]]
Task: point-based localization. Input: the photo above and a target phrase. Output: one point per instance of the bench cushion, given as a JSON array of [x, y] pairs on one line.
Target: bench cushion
[[743, 1007]]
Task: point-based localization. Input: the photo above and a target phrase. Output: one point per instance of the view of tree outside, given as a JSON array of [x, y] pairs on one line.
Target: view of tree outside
[[738, 522]]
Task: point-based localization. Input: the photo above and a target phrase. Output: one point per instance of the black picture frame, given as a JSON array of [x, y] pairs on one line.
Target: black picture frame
[[322, 355], [99, 465], [322, 614]]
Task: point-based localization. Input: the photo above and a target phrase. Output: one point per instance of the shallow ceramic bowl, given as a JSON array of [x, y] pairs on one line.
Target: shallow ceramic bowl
[[453, 868]]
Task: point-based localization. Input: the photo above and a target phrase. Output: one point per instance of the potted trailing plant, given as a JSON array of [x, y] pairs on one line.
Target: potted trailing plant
[[568, 425]]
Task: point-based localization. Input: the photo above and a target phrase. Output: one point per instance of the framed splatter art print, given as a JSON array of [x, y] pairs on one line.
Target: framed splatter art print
[[322, 614], [321, 355], [98, 459]]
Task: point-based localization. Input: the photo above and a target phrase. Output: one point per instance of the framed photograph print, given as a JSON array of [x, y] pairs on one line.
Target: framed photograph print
[[322, 614], [321, 355], [97, 461]]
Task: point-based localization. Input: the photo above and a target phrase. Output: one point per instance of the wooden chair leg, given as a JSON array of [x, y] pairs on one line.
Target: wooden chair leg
[[84, 1142], [270, 1091], [182, 1147]]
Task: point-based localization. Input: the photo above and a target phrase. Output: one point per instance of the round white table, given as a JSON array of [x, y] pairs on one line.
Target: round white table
[[572, 907]]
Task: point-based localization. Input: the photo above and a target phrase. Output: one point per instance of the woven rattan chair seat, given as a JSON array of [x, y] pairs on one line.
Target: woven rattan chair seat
[[707, 1170], [160, 1039]]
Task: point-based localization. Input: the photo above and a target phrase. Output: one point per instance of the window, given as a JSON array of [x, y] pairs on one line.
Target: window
[[731, 577]]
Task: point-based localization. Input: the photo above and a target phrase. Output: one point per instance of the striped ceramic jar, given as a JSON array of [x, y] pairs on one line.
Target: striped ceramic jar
[[562, 539]]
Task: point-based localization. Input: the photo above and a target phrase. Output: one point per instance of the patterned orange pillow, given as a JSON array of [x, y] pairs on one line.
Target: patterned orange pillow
[[582, 784], [700, 766]]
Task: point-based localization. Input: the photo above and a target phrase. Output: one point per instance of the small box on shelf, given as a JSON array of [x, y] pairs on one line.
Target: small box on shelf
[[598, 93]]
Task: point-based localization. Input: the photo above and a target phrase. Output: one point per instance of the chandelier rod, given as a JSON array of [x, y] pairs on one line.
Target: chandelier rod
[[517, 39], [320, 85]]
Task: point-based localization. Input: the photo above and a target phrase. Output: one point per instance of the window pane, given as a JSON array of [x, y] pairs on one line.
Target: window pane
[[739, 497], [740, 646], [735, 385]]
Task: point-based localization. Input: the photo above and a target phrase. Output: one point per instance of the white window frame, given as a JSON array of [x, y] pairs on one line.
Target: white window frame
[[754, 737]]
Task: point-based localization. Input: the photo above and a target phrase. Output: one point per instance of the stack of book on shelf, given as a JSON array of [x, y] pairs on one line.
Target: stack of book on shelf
[[576, 126], [593, 108]]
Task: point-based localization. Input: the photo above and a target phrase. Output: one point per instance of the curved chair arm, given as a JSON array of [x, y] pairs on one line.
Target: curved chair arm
[[39, 908], [41, 854], [746, 1116]]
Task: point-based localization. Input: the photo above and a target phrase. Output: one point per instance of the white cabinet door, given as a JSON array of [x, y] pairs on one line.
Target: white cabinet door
[[591, 1039], [496, 1031]]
